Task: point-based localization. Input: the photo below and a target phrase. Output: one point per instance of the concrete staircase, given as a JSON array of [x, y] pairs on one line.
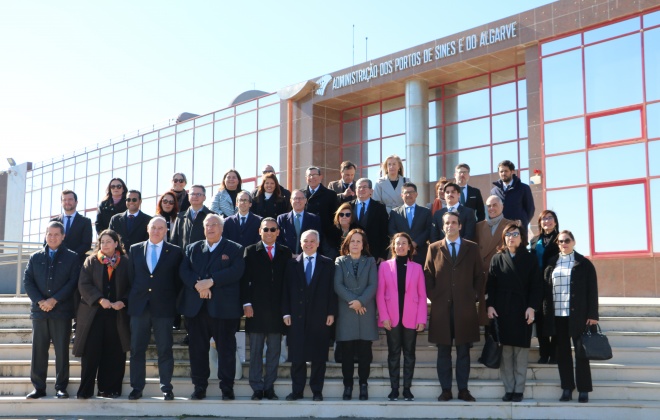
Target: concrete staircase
[[626, 386]]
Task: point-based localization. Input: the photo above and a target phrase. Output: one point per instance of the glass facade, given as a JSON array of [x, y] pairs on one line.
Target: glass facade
[[601, 136], [245, 137]]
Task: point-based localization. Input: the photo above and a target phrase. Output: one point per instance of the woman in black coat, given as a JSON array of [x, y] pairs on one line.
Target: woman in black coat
[[344, 222], [544, 247], [514, 295], [114, 202], [268, 200], [570, 303]]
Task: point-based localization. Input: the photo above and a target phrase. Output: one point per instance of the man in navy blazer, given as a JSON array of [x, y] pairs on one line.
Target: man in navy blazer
[[243, 227], [289, 234], [467, 218], [154, 277], [419, 228], [469, 196], [77, 228], [131, 225], [211, 273]]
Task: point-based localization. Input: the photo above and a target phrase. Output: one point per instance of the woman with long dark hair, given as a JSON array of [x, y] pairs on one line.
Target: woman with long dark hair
[[168, 207], [344, 222], [268, 200], [224, 202], [114, 202]]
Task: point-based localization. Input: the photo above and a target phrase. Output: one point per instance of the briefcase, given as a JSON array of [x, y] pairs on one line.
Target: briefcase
[[491, 355], [593, 345]]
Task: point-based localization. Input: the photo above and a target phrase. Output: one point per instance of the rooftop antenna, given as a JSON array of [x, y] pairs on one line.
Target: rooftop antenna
[[366, 48]]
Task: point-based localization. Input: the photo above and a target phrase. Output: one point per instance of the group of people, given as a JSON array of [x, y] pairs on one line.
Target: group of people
[[315, 264]]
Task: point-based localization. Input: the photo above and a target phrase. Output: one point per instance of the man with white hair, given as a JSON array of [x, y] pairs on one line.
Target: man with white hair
[[489, 231]]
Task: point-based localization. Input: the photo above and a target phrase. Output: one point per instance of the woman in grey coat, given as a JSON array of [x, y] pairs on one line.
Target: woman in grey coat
[[356, 280]]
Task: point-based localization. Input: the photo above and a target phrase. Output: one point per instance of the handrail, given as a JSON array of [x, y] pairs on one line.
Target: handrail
[[17, 253]]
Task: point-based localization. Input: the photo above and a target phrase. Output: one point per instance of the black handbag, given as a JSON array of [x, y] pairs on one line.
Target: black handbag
[[491, 355], [593, 345]]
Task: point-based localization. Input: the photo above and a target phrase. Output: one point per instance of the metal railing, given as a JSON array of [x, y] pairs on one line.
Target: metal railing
[[13, 258]]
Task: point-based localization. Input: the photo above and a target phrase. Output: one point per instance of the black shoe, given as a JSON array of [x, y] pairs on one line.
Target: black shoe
[[257, 395], [317, 396], [168, 396], [464, 394], [294, 397], [407, 395], [364, 392], [104, 394], [37, 393], [566, 395], [508, 396], [270, 394], [62, 394], [445, 395], [348, 393], [83, 397], [552, 361], [228, 395], [198, 394], [543, 360], [583, 397], [135, 395], [517, 397], [394, 395]]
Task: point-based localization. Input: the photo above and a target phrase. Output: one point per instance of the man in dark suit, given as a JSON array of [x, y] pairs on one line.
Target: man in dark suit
[[468, 221], [345, 187], [454, 282], [515, 194], [77, 228], [131, 226], [50, 278], [469, 196], [309, 305], [243, 227], [295, 222], [372, 217], [320, 200], [211, 273], [261, 294], [189, 225], [412, 219], [154, 276]]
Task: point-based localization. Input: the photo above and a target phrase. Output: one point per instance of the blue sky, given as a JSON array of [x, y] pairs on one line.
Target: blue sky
[[76, 73]]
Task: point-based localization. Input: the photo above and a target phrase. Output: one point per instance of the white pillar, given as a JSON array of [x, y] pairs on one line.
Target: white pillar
[[417, 137], [15, 202]]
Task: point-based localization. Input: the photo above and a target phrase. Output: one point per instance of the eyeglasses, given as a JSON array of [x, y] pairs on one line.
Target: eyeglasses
[[243, 200], [267, 172], [512, 234], [299, 198], [345, 214], [197, 194], [134, 200], [168, 201], [107, 243], [116, 186], [208, 225], [311, 175], [564, 241], [270, 229], [548, 219], [180, 181]]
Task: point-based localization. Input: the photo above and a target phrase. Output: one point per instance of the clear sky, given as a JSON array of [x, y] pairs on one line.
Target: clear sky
[[77, 73]]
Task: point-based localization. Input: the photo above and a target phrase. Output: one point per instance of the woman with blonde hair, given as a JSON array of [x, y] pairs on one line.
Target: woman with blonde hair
[[388, 188]]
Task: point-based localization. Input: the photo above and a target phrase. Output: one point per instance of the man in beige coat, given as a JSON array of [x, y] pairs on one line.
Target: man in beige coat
[[454, 283], [489, 231]]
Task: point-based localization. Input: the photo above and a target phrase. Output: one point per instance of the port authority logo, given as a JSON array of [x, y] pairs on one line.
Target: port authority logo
[[322, 83]]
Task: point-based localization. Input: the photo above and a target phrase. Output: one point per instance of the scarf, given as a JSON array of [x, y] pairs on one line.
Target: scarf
[[180, 196], [111, 263]]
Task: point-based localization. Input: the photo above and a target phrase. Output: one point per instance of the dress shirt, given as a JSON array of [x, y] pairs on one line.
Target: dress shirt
[[272, 251], [151, 250], [454, 207], [214, 246], [457, 242], [313, 262], [358, 207], [412, 210], [134, 214]]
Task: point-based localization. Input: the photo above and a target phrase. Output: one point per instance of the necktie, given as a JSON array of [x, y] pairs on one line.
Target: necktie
[[51, 254], [242, 220], [361, 211], [193, 214], [154, 257], [453, 251], [68, 224], [409, 216], [309, 270], [270, 252], [462, 198], [297, 225], [450, 209], [131, 218]]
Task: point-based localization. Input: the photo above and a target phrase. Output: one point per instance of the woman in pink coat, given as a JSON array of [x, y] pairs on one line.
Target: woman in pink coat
[[401, 300]]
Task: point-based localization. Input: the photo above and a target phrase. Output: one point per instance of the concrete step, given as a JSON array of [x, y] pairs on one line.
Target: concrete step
[[622, 306], [15, 321], [630, 323]]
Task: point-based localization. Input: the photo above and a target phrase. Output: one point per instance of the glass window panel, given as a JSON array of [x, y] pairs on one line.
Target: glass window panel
[[150, 150], [479, 160], [524, 154], [134, 155], [652, 63], [564, 136], [227, 112], [28, 207], [134, 141], [622, 126], [36, 181], [507, 75], [506, 151], [246, 123], [561, 44], [566, 170], [351, 132], [655, 213], [503, 98], [522, 123], [371, 128], [184, 140], [79, 188], [68, 173], [605, 214], [270, 99], [150, 136], [522, 93], [435, 140], [184, 126], [121, 173], [56, 201], [467, 85], [631, 157], [57, 177], [167, 131], [351, 153], [149, 204], [246, 106], [203, 134], [654, 159], [120, 145], [134, 176], [394, 122], [46, 179], [468, 134], [373, 172], [149, 181], [166, 146], [165, 171], [223, 159], [371, 109], [119, 159], [36, 204], [394, 146], [613, 71], [524, 176], [269, 148], [651, 19], [653, 121], [81, 158], [45, 202], [350, 114], [573, 209], [56, 165], [224, 129], [203, 165], [35, 230], [562, 85], [371, 153], [505, 127], [92, 196], [434, 171], [269, 116], [93, 166], [394, 103], [203, 120], [612, 30], [245, 162], [467, 106], [183, 162]]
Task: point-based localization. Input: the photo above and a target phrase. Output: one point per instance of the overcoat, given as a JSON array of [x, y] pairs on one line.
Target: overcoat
[[374, 223], [388, 195], [458, 284], [488, 243], [350, 325]]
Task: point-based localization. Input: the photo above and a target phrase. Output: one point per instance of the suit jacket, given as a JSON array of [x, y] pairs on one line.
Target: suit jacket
[[475, 201], [79, 237], [488, 243], [420, 231], [387, 195], [272, 207], [309, 307], [225, 265], [262, 286], [186, 231], [159, 289], [374, 226], [414, 301], [322, 203], [245, 235], [288, 235], [458, 286], [106, 210], [338, 188], [119, 223], [465, 216], [58, 279], [349, 287]]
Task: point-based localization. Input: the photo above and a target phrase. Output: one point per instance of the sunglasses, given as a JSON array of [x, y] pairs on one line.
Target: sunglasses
[[512, 234], [168, 201], [344, 214], [180, 181], [564, 241], [267, 172], [134, 200], [116, 186], [270, 229]]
